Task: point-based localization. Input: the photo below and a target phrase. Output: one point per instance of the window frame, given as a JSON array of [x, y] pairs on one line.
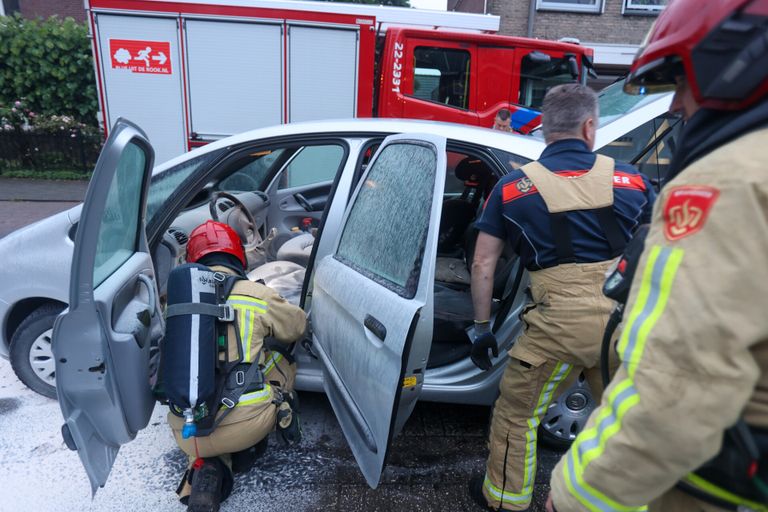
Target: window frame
[[409, 289], [554, 5], [641, 10], [103, 270]]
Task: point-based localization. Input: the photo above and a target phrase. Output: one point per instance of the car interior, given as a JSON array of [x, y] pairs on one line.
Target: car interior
[[274, 199]]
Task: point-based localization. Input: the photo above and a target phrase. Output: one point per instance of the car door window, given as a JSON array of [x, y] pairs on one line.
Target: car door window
[[117, 231], [312, 164], [537, 76], [388, 223]]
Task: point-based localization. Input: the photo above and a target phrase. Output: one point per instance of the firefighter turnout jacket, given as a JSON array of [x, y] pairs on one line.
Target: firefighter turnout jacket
[[694, 346]]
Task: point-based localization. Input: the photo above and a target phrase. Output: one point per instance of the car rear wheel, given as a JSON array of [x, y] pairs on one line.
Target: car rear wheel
[[31, 355], [567, 415]]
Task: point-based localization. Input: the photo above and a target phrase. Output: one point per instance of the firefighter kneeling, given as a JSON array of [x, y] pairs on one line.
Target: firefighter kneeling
[[225, 367]]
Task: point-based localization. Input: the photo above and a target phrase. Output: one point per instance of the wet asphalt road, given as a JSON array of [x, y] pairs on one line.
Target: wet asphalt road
[[429, 464]]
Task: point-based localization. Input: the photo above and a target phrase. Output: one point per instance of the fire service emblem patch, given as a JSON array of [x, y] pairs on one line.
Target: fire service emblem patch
[[686, 210]]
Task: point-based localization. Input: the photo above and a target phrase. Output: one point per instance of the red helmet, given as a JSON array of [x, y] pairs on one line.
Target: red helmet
[[721, 46], [212, 237]]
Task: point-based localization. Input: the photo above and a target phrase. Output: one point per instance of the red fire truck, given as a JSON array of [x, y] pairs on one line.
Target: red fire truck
[[193, 71]]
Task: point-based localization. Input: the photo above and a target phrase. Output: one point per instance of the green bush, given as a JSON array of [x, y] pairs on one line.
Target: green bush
[[48, 64]]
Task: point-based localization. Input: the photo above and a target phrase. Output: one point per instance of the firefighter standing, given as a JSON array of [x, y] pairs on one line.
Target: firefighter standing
[[567, 216], [689, 404], [241, 436]]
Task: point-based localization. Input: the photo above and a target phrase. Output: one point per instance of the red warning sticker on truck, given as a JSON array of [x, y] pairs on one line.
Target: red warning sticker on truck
[[141, 56]]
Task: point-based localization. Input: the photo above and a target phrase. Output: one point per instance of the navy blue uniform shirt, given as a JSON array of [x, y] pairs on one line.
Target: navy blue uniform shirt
[[518, 213]]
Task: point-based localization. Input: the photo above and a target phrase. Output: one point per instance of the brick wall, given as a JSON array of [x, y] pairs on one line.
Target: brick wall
[[609, 27], [476, 6], [46, 8]]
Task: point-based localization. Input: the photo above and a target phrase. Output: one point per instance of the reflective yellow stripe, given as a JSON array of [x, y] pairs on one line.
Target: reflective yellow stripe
[[712, 489], [590, 444], [654, 292], [248, 308], [559, 374], [248, 302], [254, 397], [655, 287], [275, 358]]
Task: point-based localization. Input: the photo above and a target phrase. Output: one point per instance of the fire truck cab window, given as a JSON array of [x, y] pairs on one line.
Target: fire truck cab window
[[538, 73], [442, 75]]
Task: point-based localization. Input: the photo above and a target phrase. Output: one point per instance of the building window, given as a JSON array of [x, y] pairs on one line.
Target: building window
[[571, 5], [644, 6]]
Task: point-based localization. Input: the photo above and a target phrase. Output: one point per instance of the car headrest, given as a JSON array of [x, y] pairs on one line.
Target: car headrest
[[472, 170]]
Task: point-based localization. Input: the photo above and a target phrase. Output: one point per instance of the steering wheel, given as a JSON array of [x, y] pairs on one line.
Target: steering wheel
[[238, 217], [303, 202]]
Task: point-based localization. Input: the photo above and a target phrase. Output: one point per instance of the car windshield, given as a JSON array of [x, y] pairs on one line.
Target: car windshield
[[163, 185], [614, 102]]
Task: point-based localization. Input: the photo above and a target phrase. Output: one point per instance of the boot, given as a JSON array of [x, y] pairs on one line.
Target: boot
[[244, 460], [288, 423], [211, 484], [476, 493]]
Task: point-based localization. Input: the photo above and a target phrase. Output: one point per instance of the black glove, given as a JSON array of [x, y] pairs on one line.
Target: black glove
[[480, 348]]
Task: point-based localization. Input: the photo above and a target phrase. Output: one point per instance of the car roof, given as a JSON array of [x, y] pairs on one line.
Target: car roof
[[522, 145]]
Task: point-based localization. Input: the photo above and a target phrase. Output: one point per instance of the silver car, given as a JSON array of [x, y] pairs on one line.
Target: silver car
[[276, 185]]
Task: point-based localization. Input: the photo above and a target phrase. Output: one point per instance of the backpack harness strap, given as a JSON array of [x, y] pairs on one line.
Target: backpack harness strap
[[223, 313], [591, 191]]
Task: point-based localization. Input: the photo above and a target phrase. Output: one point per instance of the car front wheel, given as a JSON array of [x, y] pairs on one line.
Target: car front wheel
[[31, 355]]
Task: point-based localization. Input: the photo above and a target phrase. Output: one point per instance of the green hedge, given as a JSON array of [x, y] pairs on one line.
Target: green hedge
[[48, 65]]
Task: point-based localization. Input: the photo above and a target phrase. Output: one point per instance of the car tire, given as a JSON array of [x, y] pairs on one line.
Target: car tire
[[30, 353], [567, 415]]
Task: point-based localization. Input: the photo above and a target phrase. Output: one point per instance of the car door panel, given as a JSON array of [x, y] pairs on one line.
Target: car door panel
[[102, 343], [287, 210], [372, 307]]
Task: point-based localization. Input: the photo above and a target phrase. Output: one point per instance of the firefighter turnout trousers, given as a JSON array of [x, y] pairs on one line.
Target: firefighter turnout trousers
[[563, 329]]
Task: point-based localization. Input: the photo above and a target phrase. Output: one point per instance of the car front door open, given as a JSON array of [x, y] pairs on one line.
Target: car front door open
[[102, 342]]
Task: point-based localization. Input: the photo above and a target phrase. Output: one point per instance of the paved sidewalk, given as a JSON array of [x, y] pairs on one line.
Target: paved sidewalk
[[12, 189]]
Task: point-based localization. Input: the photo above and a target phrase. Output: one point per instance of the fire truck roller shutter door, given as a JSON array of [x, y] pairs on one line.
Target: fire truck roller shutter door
[[141, 75], [322, 77], [235, 76]]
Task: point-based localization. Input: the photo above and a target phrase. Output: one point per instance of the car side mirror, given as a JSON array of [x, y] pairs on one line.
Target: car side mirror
[[587, 60], [538, 57], [573, 65]]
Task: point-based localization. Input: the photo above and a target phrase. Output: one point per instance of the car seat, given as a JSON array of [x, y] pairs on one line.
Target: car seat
[[458, 213], [453, 310]]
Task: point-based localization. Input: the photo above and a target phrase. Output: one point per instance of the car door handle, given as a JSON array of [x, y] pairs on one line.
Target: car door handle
[[141, 331], [375, 327]]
